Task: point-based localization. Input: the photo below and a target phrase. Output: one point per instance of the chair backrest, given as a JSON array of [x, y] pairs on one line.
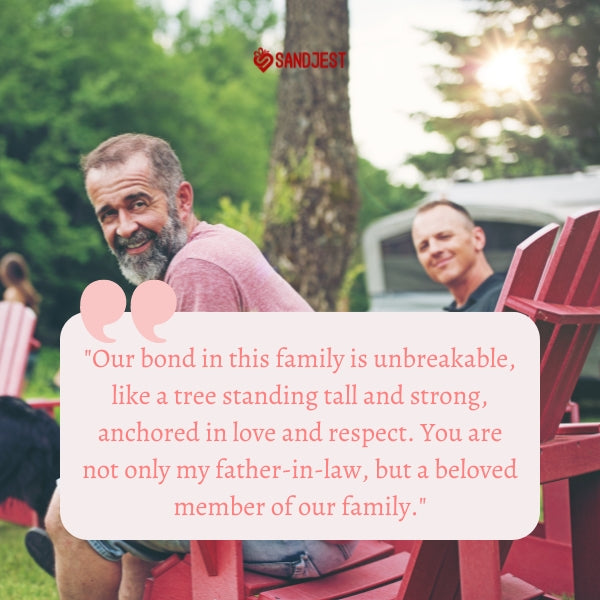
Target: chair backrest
[[17, 323], [560, 290], [558, 286]]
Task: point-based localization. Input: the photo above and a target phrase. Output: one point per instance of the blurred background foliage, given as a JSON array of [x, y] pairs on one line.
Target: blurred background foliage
[[76, 72], [522, 96]]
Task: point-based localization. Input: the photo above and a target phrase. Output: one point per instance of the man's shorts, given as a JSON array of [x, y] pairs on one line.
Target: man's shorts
[[289, 559], [151, 550]]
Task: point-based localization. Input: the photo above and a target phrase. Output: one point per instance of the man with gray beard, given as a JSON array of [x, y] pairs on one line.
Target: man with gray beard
[[133, 183], [145, 209]]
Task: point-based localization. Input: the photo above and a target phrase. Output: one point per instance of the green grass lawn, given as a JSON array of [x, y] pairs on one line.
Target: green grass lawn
[[39, 383], [20, 577]]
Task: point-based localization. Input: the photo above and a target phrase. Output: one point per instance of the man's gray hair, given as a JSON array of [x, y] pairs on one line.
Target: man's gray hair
[[166, 168]]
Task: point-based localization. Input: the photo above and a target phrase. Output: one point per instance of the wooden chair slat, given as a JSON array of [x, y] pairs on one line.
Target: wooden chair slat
[[216, 569], [513, 588], [553, 313], [568, 278], [344, 583], [431, 571], [480, 557], [17, 323], [529, 262], [365, 552]]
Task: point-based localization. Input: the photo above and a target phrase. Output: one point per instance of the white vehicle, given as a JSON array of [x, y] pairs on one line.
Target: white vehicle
[[509, 210]]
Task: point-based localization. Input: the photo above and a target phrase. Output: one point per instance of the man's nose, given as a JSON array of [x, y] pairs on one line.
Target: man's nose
[[127, 226], [435, 247]]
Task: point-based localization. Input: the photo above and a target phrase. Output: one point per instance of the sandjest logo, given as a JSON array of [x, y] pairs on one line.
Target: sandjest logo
[[264, 59]]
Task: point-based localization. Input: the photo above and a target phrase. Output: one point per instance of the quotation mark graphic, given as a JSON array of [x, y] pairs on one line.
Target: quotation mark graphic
[[152, 302], [103, 302], [263, 59]]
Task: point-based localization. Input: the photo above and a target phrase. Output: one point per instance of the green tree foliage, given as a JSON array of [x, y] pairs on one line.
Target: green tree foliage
[[379, 197], [549, 125], [75, 73], [238, 100]]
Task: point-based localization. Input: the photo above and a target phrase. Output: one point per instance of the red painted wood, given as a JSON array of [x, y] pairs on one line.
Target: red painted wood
[[16, 511], [563, 295], [17, 323], [568, 456], [561, 314], [366, 551], [170, 580], [517, 589], [432, 572], [566, 309], [385, 592], [557, 512], [48, 406], [578, 428], [209, 550], [479, 565], [544, 563], [176, 572], [401, 545], [226, 560], [345, 583], [570, 279], [528, 264], [572, 275]]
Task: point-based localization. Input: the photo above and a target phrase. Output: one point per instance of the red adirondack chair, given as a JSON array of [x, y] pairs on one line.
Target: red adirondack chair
[[562, 295], [560, 291], [17, 324], [566, 307]]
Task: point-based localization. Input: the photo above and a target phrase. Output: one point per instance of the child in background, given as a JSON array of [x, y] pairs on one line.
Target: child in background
[[14, 275]]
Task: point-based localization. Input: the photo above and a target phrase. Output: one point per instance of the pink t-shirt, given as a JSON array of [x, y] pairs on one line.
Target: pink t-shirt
[[221, 270]]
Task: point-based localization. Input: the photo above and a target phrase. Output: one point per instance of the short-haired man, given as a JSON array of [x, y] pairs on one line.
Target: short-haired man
[[145, 209], [450, 247]]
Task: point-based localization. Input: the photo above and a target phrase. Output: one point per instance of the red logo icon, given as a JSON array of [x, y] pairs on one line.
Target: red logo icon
[[263, 59]]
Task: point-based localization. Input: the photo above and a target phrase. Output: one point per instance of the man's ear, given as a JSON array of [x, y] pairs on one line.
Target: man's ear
[[185, 201], [479, 237]]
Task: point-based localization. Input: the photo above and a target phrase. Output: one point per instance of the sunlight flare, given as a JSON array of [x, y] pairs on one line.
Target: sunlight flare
[[506, 71]]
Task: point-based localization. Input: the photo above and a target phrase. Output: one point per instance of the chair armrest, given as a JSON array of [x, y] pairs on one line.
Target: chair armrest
[[554, 313]]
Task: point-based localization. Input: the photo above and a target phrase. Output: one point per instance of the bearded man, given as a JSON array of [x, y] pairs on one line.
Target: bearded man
[[145, 209]]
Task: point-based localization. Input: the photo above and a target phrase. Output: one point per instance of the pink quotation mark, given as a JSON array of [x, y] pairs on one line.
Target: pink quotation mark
[[152, 302], [263, 59], [103, 302]]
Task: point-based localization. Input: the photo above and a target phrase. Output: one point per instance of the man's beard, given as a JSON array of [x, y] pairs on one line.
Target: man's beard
[[153, 262]]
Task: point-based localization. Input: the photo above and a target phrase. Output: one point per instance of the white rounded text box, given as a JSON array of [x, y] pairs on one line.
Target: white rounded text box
[[302, 425]]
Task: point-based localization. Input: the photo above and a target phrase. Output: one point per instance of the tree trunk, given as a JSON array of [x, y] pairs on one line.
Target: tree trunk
[[311, 203]]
